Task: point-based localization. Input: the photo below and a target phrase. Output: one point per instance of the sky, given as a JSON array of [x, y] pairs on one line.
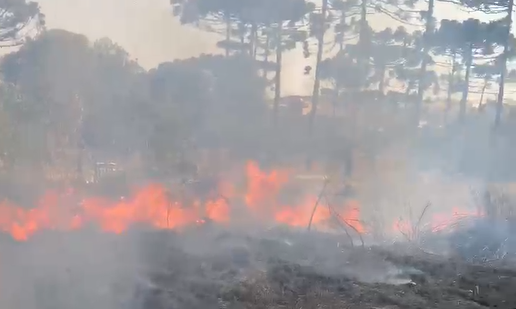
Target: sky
[[149, 32]]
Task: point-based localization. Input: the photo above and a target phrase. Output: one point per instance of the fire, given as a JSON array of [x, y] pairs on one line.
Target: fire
[[153, 205], [436, 223], [442, 221], [262, 187]]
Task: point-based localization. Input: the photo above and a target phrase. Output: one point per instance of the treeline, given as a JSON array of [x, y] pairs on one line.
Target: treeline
[[66, 99], [367, 58], [388, 80], [67, 102]]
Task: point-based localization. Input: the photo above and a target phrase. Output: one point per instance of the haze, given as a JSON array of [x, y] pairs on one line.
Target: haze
[[146, 163]]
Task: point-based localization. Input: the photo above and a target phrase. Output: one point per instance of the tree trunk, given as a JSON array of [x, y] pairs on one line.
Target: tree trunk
[[482, 94], [465, 91], [429, 28], [242, 30], [451, 84], [410, 84], [277, 77], [363, 58], [381, 84], [336, 95], [267, 53], [253, 44], [503, 72], [228, 32], [317, 81]]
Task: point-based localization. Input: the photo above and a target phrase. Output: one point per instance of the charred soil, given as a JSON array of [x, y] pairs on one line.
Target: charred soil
[[208, 268], [306, 271]]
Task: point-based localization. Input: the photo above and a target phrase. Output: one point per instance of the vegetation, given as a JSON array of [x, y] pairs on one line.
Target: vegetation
[[68, 102]]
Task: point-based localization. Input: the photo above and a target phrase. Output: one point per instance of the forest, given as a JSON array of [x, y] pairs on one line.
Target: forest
[[420, 85]]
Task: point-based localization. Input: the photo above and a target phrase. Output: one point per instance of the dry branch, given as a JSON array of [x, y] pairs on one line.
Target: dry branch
[[321, 194]]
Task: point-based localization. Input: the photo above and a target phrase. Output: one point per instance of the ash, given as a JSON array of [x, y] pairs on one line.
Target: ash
[[213, 267]]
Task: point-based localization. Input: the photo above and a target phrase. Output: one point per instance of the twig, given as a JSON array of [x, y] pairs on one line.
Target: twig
[[340, 223], [342, 220], [321, 194], [413, 232], [416, 229]]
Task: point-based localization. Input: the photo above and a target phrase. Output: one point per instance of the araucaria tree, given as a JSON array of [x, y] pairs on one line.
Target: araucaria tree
[[503, 35], [17, 19]]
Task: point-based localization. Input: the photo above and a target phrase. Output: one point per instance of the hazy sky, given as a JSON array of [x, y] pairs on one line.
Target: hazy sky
[[149, 32]]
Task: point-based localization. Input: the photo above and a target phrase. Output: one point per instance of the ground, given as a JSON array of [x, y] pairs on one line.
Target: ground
[[208, 267], [305, 272]]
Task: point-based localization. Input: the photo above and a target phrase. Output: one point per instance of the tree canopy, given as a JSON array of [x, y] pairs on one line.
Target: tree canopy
[[67, 99]]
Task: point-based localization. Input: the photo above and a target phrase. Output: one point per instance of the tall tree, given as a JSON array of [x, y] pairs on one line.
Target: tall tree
[[318, 28], [446, 43], [503, 64], [472, 38], [283, 19], [428, 16], [75, 96], [498, 7], [487, 73], [17, 19]]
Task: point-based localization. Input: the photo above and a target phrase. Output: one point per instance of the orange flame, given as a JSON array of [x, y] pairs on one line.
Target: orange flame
[[438, 221], [152, 205]]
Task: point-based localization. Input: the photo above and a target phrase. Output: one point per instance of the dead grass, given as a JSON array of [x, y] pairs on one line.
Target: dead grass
[[499, 204], [413, 227]]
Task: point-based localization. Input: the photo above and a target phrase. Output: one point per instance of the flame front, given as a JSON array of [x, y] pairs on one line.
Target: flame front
[[153, 205]]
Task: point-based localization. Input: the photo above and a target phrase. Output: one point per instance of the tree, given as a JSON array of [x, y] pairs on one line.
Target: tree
[[390, 49], [16, 19], [408, 71], [51, 72], [75, 97], [278, 20], [446, 42], [318, 28], [210, 101], [428, 16], [115, 116], [503, 34], [471, 39], [486, 72], [282, 21]]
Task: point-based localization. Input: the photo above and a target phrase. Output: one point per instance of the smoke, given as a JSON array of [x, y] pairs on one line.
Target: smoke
[[150, 33], [82, 269], [87, 269]]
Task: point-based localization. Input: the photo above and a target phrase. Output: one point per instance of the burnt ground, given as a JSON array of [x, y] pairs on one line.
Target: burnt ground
[[309, 272], [209, 268]]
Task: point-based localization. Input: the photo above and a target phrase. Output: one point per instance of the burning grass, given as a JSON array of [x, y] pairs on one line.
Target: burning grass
[[481, 236], [163, 207], [194, 254]]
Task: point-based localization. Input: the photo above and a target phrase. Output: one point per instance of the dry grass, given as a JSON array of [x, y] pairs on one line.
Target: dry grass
[[499, 204], [413, 228]]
